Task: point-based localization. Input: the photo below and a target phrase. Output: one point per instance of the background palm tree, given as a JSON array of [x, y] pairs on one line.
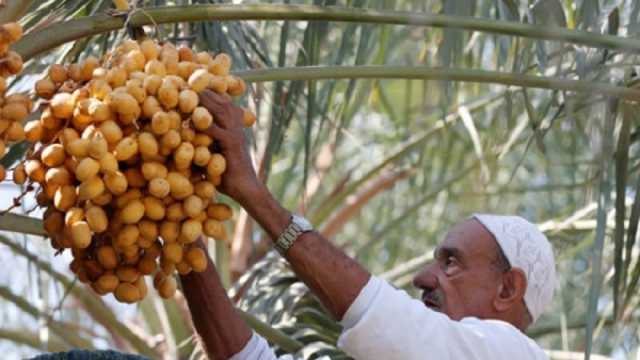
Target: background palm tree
[[384, 122]]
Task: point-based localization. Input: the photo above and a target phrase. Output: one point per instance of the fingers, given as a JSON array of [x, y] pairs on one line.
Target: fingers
[[209, 98], [215, 132], [224, 112]]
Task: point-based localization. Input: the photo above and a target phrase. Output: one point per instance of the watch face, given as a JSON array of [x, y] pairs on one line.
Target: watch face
[[302, 223]]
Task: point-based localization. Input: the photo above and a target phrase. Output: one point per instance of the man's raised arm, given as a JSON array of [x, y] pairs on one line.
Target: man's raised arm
[[222, 330], [335, 278]]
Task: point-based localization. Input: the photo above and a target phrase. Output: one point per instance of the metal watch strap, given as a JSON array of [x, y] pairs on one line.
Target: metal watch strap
[[290, 235]]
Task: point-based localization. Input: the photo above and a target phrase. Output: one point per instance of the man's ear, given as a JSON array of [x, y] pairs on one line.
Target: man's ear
[[511, 289]]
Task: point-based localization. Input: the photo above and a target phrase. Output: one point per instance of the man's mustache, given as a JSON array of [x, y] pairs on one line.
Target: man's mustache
[[432, 298]]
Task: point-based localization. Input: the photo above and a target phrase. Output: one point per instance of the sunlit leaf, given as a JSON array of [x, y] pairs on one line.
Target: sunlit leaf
[[604, 198]]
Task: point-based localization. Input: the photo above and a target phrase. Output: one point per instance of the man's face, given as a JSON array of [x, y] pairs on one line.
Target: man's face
[[463, 279]]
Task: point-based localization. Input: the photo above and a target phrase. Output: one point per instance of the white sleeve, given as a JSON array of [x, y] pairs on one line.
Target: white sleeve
[[258, 349], [385, 323]]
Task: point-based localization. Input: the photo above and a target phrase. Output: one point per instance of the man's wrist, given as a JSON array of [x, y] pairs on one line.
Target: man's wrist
[[297, 226], [265, 209], [252, 193]]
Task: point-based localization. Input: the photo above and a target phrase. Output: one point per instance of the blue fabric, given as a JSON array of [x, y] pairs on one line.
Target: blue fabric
[[89, 355]]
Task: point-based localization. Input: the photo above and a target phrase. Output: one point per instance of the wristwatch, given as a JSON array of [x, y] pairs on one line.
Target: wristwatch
[[297, 227]]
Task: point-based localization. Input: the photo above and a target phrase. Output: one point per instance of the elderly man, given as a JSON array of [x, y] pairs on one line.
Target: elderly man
[[490, 279]]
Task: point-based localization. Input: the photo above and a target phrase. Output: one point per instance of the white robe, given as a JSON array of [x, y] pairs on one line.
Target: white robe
[[386, 323]]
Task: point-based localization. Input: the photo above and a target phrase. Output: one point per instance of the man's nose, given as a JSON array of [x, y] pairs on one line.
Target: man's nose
[[426, 278]]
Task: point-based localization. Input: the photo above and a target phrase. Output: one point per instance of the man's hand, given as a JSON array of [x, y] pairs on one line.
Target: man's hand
[[239, 180]]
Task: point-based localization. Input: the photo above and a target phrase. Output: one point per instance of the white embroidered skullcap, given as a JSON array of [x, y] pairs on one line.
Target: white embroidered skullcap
[[528, 249]]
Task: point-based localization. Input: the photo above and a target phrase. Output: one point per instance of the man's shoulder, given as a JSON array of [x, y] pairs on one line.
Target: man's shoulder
[[503, 333]]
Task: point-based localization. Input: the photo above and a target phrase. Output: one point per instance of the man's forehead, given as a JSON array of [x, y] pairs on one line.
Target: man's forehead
[[469, 237]]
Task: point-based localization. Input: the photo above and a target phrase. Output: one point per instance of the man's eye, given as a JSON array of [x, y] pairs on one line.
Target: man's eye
[[451, 265]]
